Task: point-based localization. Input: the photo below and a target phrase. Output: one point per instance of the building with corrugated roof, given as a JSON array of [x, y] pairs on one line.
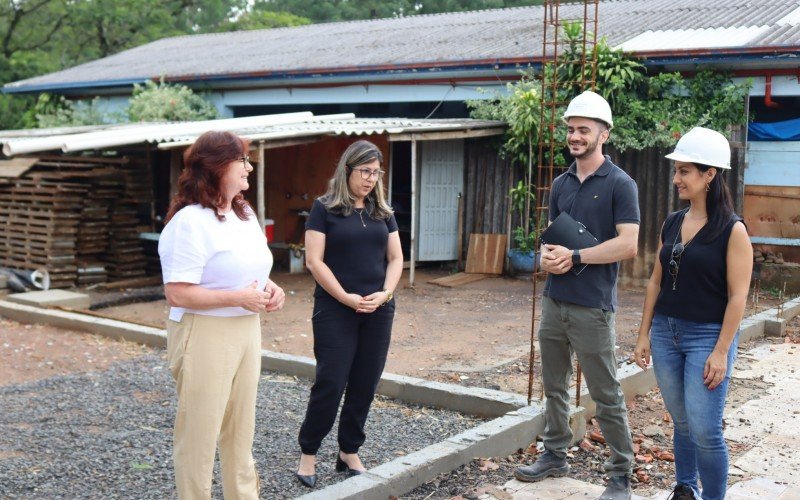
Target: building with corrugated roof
[[427, 66], [407, 66]]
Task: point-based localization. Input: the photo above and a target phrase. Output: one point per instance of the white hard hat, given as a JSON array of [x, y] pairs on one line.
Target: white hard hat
[[704, 146], [590, 105]]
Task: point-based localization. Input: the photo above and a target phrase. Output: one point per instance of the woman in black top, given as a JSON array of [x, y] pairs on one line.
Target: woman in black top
[[695, 301], [353, 251]]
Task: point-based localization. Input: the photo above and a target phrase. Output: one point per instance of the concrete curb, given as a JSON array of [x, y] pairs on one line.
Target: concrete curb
[[115, 329], [498, 437]]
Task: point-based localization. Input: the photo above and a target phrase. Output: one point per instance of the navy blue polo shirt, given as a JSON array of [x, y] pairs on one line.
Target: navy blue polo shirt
[[604, 199]]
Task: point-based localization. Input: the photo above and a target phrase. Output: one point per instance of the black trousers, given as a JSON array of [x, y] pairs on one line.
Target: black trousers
[[351, 350]]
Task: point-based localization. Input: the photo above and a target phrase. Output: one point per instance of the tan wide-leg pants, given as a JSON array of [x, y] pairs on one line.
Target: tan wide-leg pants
[[216, 363]]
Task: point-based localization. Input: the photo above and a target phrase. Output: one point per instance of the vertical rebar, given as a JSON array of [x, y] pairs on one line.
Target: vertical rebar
[[548, 121]]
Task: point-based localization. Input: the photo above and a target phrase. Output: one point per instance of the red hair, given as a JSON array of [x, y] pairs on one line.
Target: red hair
[[204, 164]]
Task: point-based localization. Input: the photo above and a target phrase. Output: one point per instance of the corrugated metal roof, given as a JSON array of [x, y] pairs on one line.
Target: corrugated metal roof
[[693, 38], [267, 127], [431, 41]]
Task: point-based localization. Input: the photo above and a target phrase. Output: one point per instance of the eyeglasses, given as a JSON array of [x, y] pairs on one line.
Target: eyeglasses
[[675, 262], [367, 173], [244, 159]]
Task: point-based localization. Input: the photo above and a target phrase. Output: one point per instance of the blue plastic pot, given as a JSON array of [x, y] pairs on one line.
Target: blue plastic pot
[[522, 262]]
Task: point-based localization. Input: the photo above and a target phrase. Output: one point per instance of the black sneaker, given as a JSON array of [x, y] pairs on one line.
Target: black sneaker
[[681, 492], [547, 465], [618, 488]]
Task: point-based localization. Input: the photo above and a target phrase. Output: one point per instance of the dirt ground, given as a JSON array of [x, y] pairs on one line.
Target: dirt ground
[[35, 352]]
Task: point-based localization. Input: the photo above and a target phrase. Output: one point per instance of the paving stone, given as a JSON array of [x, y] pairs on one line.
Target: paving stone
[[763, 488], [561, 488], [45, 298]]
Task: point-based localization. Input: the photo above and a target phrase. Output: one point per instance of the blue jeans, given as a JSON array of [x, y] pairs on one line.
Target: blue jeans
[[679, 350]]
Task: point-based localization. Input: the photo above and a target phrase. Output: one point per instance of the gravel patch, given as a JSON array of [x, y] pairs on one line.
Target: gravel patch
[[108, 434]]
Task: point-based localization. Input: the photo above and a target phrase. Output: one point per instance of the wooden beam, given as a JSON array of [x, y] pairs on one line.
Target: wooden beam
[[260, 178], [175, 163], [285, 143], [15, 167], [445, 135], [413, 250]]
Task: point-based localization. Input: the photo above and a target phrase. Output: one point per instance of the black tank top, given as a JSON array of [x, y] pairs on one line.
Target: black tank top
[[701, 284]]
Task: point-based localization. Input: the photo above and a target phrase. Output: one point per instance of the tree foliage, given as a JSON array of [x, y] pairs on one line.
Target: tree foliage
[[348, 10], [155, 102], [264, 19], [41, 36], [56, 111]]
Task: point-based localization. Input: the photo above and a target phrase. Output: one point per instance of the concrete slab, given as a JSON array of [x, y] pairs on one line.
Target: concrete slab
[[45, 298], [774, 456], [763, 488], [769, 423], [562, 488]]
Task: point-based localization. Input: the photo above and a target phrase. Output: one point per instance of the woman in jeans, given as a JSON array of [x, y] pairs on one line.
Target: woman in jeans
[[695, 301]]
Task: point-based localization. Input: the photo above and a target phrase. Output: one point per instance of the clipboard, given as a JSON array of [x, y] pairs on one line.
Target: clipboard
[[568, 232]]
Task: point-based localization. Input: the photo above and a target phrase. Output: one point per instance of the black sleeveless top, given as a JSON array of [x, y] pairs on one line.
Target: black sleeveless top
[[701, 283]]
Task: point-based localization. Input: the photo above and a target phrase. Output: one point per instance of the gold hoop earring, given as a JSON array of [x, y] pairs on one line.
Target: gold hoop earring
[[708, 187]]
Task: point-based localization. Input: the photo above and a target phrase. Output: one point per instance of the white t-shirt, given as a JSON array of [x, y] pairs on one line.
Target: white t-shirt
[[195, 247]]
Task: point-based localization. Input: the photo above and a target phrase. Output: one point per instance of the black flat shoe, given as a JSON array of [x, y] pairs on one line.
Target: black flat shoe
[[341, 466], [307, 481]]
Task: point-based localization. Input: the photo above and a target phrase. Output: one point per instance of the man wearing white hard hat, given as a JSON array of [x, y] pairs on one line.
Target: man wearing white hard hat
[[695, 301], [578, 307]]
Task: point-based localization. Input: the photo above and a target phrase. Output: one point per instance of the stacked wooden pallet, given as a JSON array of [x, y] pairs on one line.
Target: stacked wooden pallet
[[39, 220], [125, 256], [76, 217]]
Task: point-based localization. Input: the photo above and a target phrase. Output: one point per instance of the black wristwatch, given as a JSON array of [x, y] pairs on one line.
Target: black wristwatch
[[576, 257]]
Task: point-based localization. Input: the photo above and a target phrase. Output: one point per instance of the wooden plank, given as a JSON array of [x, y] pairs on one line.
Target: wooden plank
[[15, 167], [771, 163], [486, 253], [133, 283], [445, 135], [772, 212], [458, 279]]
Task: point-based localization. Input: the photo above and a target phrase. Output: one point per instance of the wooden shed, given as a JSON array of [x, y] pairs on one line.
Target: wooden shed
[[438, 169]]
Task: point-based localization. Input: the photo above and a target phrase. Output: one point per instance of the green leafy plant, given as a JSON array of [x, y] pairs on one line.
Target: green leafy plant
[[519, 107], [524, 242], [164, 102], [57, 111]]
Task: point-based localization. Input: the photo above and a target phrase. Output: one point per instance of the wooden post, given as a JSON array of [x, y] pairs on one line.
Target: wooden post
[[460, 233], [175, 162], [389, 175], [260, 198], [413, 251]]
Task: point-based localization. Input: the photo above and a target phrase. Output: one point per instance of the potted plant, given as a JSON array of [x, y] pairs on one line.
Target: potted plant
[[522, 255]]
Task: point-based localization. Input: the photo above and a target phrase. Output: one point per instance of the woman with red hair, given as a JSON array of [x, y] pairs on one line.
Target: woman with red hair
[[216, 263]]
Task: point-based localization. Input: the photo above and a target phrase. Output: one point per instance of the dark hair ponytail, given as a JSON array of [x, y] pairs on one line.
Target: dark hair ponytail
[[719, 203]]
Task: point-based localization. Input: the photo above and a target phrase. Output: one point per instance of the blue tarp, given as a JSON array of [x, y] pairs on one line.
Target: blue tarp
[[788, 130]]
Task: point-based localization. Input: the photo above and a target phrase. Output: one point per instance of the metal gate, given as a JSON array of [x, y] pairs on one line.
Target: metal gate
[[441, 180]]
